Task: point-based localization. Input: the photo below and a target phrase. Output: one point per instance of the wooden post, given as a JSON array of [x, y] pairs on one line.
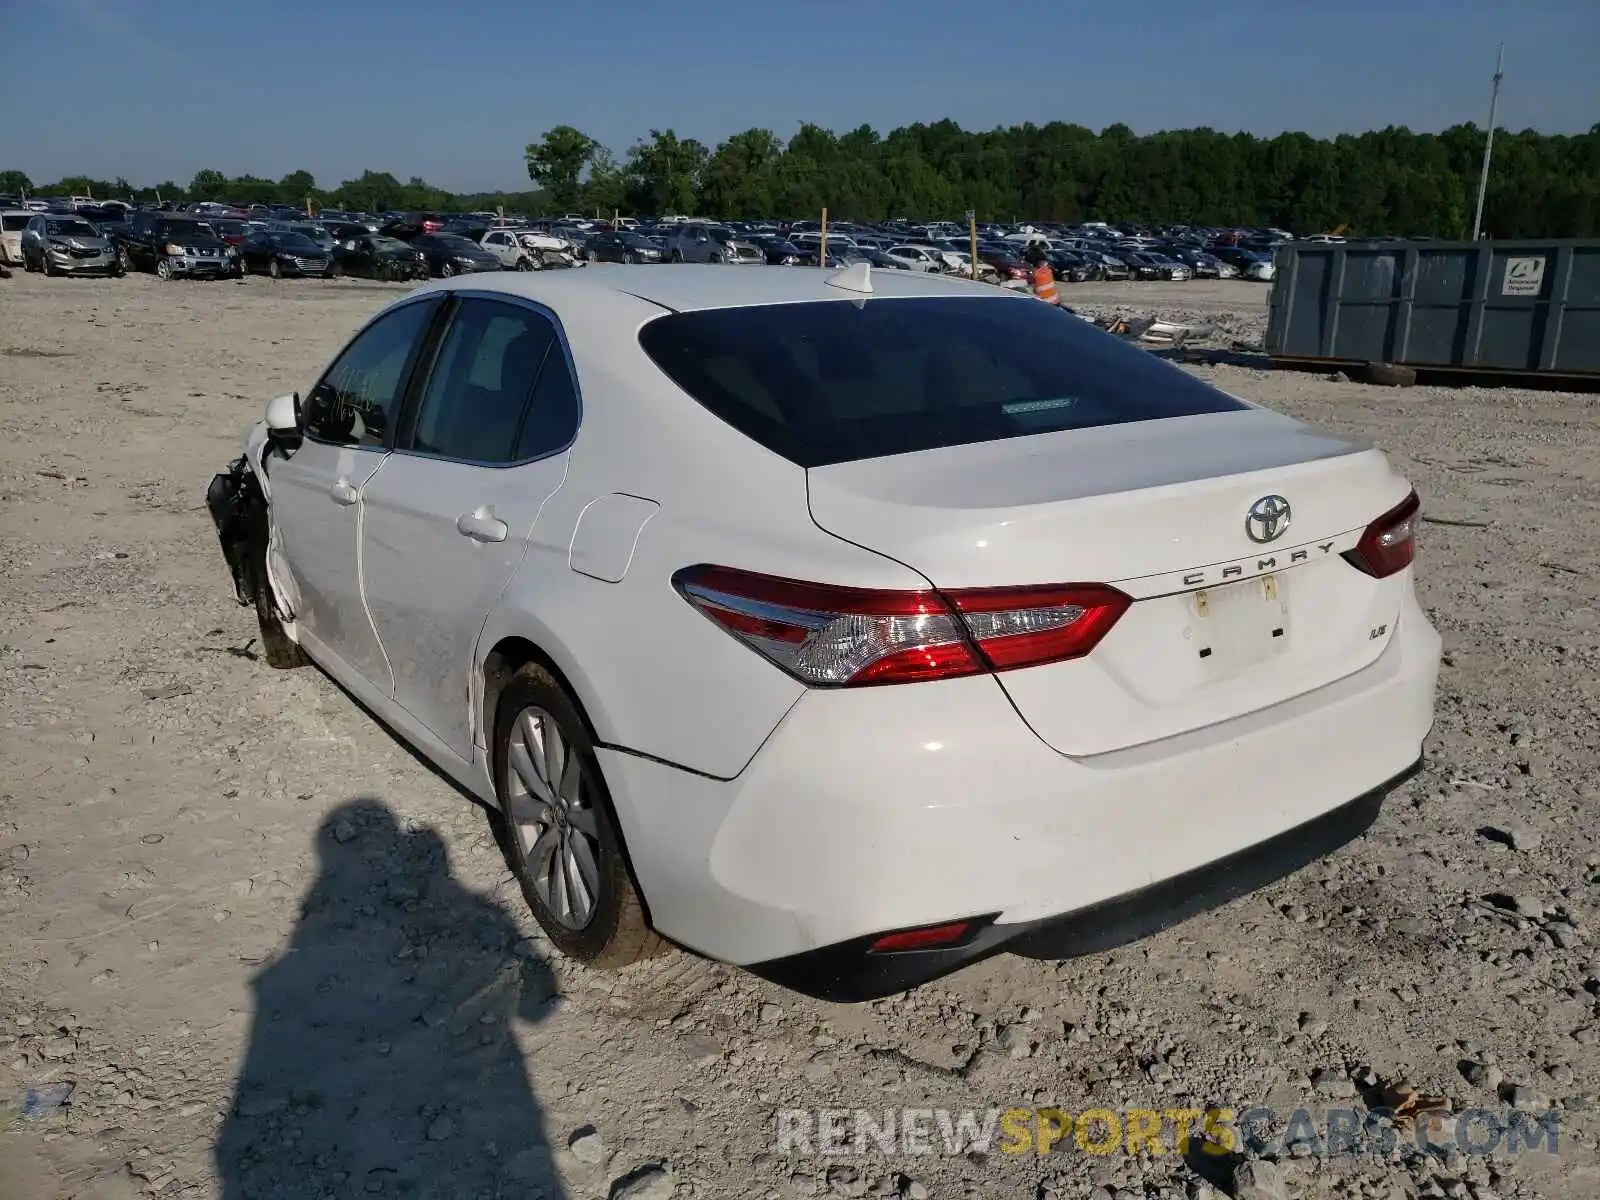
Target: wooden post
[[309, 213], [972, 227], [822, 259]]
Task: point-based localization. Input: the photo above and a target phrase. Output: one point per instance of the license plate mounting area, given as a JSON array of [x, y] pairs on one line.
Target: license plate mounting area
[[1240, 624]]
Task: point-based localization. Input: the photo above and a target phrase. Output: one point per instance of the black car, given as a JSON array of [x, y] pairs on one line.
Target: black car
[[172, 246], [780, 251], [1204, 266], [377, 257], [471, 228], [343, 231], [1072, 266], [623, 248], [1111, 266], [279, 254], [450, 254]]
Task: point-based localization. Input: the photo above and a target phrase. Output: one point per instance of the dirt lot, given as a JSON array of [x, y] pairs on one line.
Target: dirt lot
[[205, 864]]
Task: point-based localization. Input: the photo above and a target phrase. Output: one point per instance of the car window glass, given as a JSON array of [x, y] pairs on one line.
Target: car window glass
[[357, 399], [552, 418], [488, 364], [826, 381]]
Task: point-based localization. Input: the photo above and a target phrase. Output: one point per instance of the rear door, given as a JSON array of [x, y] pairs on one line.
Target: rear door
[[447, 519]]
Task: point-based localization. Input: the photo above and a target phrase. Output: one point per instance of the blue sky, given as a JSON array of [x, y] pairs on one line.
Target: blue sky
[[452, 90]]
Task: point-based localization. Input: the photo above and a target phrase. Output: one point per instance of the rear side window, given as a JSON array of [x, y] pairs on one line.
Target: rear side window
[[834, 380]]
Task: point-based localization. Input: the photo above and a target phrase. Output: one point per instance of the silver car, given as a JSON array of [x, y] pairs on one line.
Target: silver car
[[63, 244], [693, 242]]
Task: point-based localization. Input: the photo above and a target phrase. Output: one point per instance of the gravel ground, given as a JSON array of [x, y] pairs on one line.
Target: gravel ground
[[211, 872]]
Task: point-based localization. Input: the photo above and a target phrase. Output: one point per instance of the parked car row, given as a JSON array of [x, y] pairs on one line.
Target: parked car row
[[211, 240]]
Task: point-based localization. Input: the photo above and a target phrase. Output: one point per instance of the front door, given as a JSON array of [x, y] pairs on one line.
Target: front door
[[448, 517], [317, 490]]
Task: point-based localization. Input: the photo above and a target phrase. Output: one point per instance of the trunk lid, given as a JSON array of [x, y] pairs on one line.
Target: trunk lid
[[1221, 625]]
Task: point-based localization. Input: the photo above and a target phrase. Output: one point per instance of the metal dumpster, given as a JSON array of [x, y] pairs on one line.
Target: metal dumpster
[[1513, 306]]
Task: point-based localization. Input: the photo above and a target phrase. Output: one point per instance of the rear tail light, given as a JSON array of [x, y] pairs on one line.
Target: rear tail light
[[829, 636], [1389, 543]]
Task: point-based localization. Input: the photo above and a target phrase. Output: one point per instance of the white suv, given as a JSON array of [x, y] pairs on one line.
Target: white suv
[[12, 222], [506, 245]]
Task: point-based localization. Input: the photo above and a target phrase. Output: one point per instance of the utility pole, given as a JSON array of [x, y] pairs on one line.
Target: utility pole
[[1488, 142]]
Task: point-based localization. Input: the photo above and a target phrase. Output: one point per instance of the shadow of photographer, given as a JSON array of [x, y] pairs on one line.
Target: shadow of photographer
[[381, 1059]]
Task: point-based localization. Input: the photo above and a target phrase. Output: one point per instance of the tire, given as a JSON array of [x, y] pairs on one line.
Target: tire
[[164, 270], [27, 264], [118, 271], [447, 271], [273, 269], [677, 256], [123, 261], [629, 257], [333, 272], [616, 930], [523, 264], [46, 265], [277, 650]]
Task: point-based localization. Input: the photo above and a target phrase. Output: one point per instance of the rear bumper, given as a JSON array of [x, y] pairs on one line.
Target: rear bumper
[[880, 809], [849, 972]]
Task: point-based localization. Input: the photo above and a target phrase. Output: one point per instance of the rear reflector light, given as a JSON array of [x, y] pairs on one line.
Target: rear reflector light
[[929, 937], [1389, 543], [829, 636]]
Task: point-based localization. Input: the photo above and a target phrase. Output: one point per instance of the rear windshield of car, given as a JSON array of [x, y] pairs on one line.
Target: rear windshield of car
[[833, 381]]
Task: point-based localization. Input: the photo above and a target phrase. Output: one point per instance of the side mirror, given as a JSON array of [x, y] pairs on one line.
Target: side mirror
[[283, 414], [283, 420]]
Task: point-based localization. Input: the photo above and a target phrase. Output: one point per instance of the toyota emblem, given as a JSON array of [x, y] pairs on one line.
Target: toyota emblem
[[1267, 519]]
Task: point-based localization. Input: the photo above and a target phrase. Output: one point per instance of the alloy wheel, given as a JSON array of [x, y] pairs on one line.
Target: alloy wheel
[[550, 810]]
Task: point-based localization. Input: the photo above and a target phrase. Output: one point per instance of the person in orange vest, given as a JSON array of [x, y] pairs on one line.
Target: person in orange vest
[[1044, 279]]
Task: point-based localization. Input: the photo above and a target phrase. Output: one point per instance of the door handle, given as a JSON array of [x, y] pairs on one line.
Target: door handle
[[481, 525], [344, 492]]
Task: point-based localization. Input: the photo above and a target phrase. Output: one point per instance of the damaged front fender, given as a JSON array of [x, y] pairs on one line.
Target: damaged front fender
[[239, 511]]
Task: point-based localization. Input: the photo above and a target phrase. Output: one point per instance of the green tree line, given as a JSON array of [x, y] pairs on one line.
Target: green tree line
[[1386, 181], [373, 191]]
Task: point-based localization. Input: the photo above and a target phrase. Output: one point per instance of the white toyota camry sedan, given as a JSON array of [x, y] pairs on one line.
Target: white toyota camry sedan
[[846, 627]]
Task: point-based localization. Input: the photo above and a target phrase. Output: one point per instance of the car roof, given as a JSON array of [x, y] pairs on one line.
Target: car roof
[[692, 287]]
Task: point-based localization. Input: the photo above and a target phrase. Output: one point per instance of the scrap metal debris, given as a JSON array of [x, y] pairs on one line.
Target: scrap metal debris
[[1156, 332]]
